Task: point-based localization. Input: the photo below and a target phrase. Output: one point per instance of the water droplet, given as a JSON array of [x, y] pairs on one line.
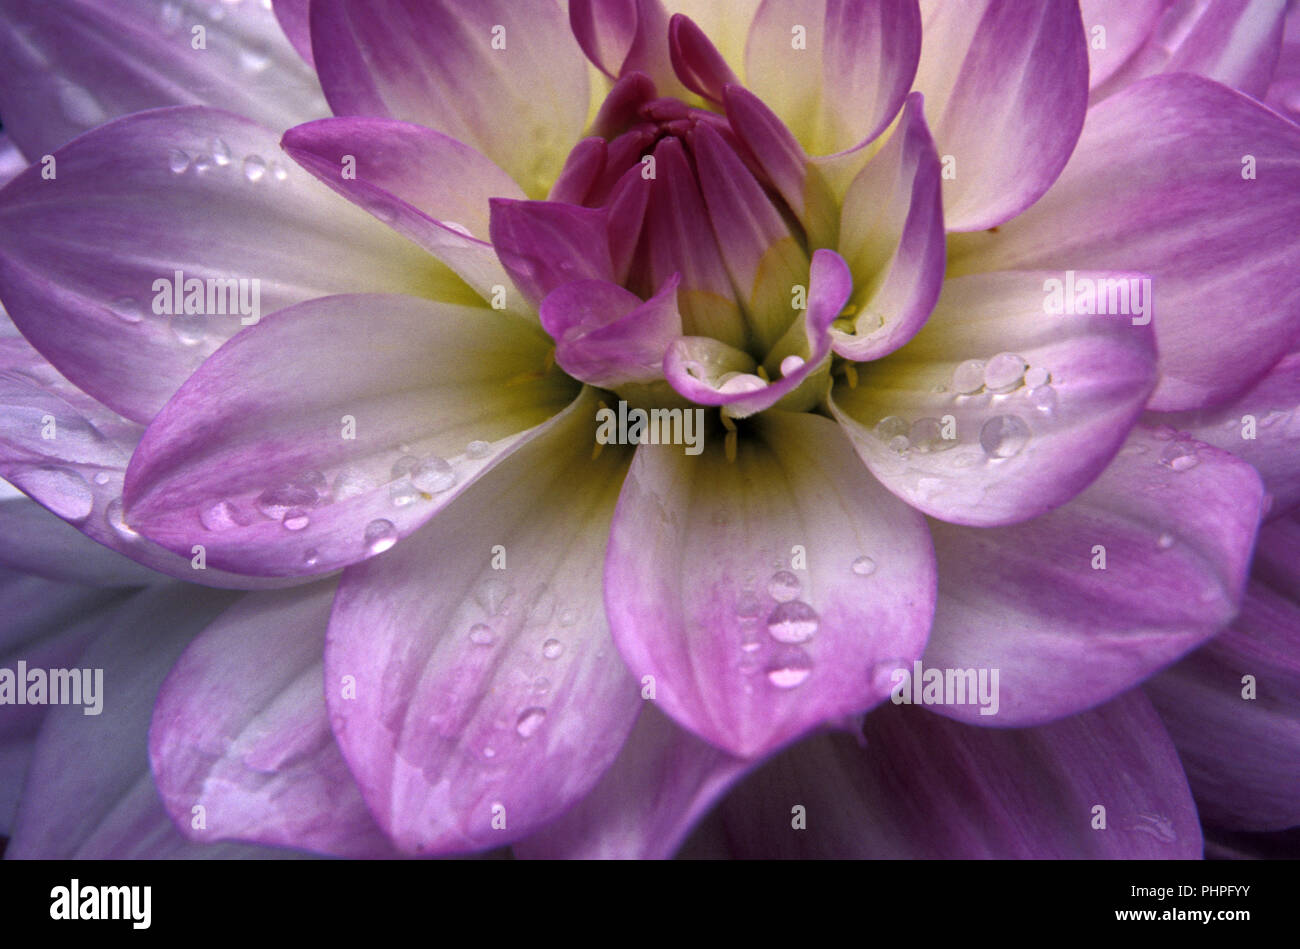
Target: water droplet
[[189, 328], [1180, 456], [1003, 436], [480, 634], [1043, 399], [115, 514], [1165, 541], [926, 435], [296, 519], [278, 171], [478, 449], [891, 427], [791, 364], [178, 161], [102, 478], [530, 719], [791, 670], [218, 516], [792, 622], [433, 475], [1004, 372], [404, 465], [739, 383], [783, 586], [350, 483], [127, 309], [254, 168], [311, 557], [402, 493], [379, 536], [220, 153], [864, 566], [489, 752], [1038, 376], [462, 229], [552, 649], [968, 377], [62, 490], [899, 444], [276, 502]]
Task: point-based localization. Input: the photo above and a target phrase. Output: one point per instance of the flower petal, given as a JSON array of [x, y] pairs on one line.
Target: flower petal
[[696, 60], [1006, 88], [663, 781], [927, 788], [998, 411], [390, 407], [1116, 30], [117, 198], [1238, 185], [702, 595], [487, 700], [1262, 426], [892, 237], [492, 74], [240, 729], [1078, 605], [854, 59], [89, 792], [544, 244], [1237, 701], [294, 18], [431, 188], [67, 66]]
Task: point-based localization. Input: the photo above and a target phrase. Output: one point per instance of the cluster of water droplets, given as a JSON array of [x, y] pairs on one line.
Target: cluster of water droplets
[[218, 156]]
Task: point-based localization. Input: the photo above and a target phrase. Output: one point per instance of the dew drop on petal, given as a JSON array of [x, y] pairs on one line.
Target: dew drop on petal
[[1179, 456], [254, 168], [433, 475], [218, 516], [968, 377], [530, 719], [926, 435], [115, 514], [790, 670], [62, 490], [478, 449], [552, 649], [276, 502], [350, 483], [480, 634], [891, 426], [1004, 372], [1165, 541], [1003, 436], [296, 519], [792, 622], [864, 566], [403, 466], [402, 493], [127, 309], [189, 328], [1038, 376], [791, 364], [311, 557], [379, 536], [101, 478], [1043, 399], [220, 153], [783, 586], [178, 161]]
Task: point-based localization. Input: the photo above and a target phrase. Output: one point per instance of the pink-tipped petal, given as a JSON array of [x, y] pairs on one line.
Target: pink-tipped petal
[[491, 74], [188, 190], [488, 697], [1116, 205], [1000, 410], [544, 245], [835, 71], [892, 237], [240, 729], [1006, 89], [1085, 602], [294, 17], [696, 60], [1116, 29], [759, 596], [390, 407]]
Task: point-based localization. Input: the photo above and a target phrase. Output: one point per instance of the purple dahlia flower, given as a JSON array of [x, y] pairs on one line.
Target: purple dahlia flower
[[610, 419]]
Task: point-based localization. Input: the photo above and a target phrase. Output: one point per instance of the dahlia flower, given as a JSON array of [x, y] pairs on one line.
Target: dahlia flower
[[460, 425]]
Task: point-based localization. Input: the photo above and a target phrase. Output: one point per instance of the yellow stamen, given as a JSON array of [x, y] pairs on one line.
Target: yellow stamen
[[851, 374]]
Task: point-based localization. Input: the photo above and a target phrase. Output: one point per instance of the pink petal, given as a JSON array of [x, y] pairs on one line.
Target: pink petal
[[998, 411], [295, 19], [240, 729], [390, 407], [1085, 602], [1116, 206], [460, 68], [544, 245], [923, 787], [80, 254], [1116, 29], [67, 66], [760, 595], [854, 61], [1006, 88], [696, 60], [487, 696]]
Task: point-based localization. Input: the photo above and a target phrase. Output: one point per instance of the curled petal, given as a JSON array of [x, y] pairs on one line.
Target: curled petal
[[544, 244]]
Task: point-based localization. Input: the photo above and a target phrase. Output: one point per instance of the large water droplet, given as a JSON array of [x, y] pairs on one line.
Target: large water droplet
[[552, 649], [350, 483], [276, 502], [178, 161], [864, 566], [791, 364], [1004, 372], [481, 634], [968, 377], [218, 516], [530, 719], [1038, 376], [116, 516], [1180, 456], [792, 622], [926, 435], [783, 586], [296, 519], [433, 475], [62, 490], [403, 466], [1003, 436], [891, 426], [254, 168], [1043, 399], [379, 536], [790, 670], [402, 493]]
